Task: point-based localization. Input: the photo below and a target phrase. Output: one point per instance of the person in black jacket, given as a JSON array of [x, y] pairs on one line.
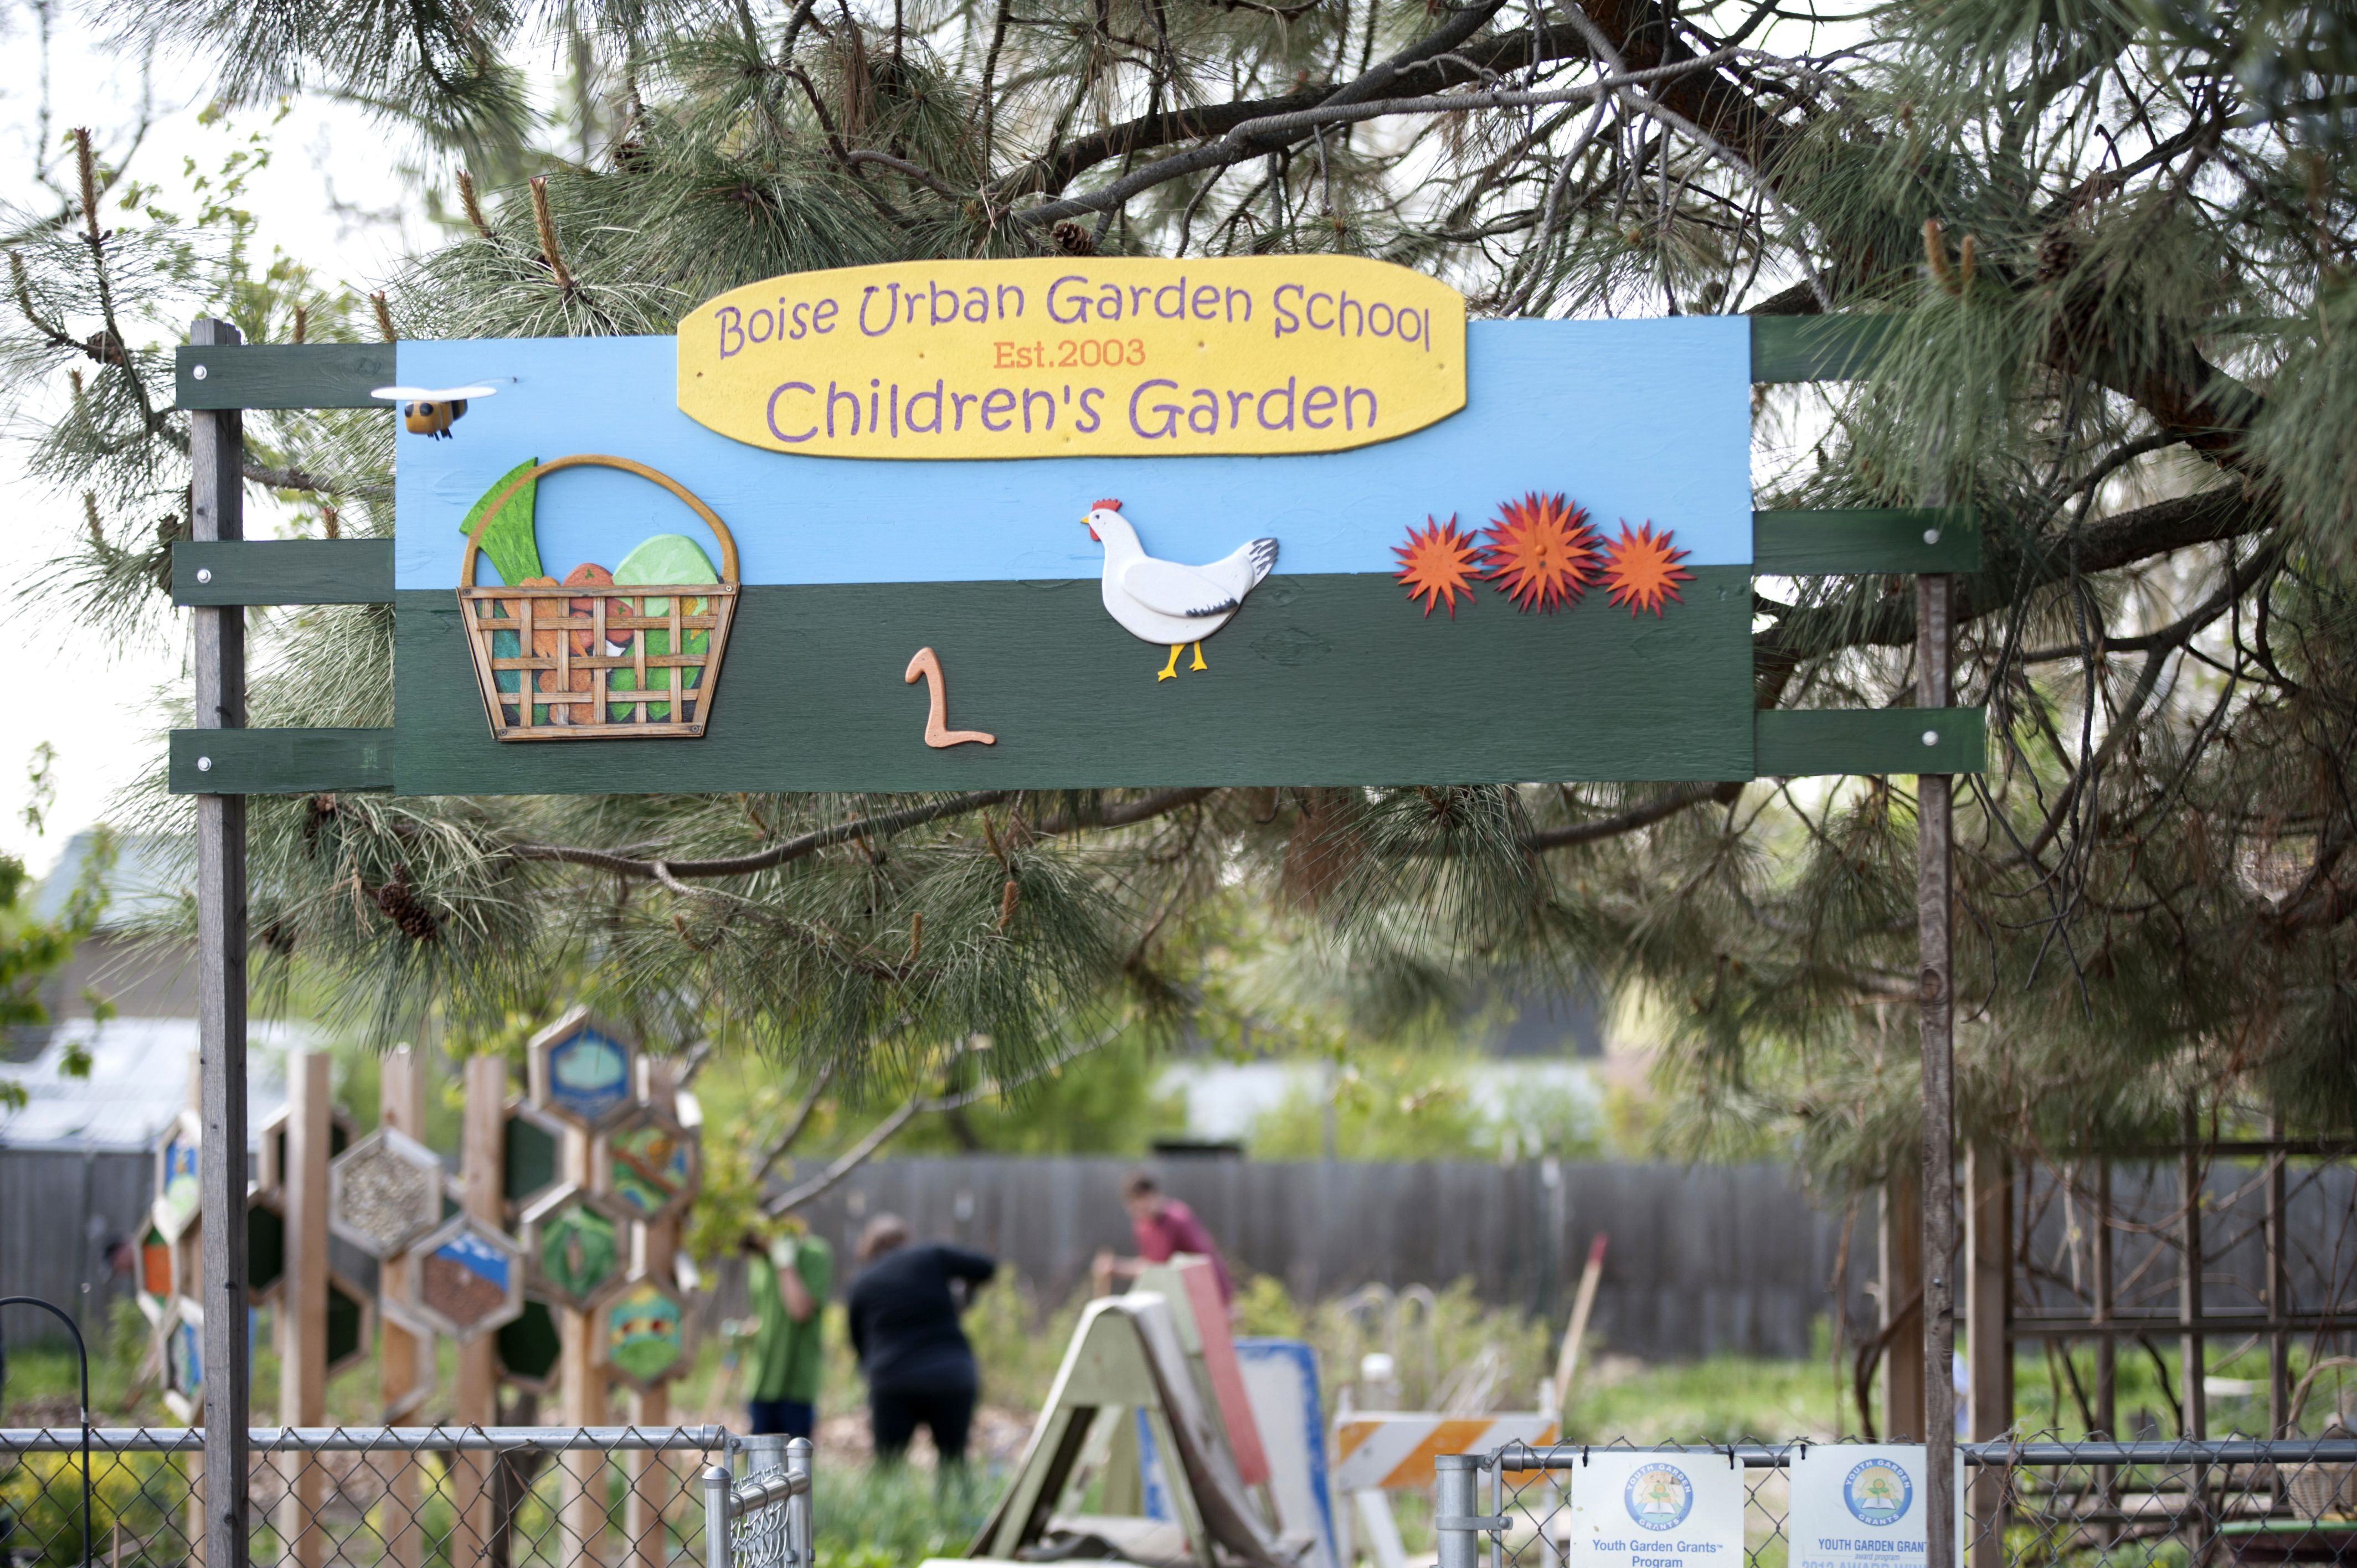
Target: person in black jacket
[[904, 1328]]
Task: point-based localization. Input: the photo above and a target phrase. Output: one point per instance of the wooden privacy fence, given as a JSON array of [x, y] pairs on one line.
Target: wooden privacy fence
[[1704, 1259], [57, 1208]]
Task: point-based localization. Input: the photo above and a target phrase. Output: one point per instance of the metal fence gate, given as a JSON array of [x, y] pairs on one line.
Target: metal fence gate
[[2028, 1504], [414, 1498]]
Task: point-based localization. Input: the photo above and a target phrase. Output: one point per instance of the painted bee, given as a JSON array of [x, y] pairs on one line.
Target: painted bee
[[431, 411]]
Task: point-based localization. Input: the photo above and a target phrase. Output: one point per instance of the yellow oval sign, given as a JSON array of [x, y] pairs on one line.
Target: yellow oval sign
[[1072, 358]]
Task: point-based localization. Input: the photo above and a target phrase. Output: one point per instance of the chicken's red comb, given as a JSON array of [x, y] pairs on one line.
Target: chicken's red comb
[[1108, 504]]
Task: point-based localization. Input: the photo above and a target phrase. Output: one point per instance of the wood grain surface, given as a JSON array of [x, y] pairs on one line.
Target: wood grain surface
[[281, 761], [283, 572], [1795, 743], [1817, 348], [1332, 679], [1865, 539], [282, 375]]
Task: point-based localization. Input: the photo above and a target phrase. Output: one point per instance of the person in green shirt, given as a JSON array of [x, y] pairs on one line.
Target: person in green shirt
[[789, 1279]]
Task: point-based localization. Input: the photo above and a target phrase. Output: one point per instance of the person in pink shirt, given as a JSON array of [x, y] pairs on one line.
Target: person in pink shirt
[[1164, 1226]]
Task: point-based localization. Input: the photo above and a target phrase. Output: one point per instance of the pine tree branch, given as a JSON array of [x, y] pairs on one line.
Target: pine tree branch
[[1426, 72], [792, 849], [850, 1160], [915, 1105], [1636, 817], [1032, 1074], [917, 172], [2159, 647], [1275, 132], [2225, 512], [883, 824], [286, 480], [792, 1131]]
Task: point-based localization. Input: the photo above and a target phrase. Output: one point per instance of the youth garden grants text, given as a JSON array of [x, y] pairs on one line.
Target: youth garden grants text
[[1054, 357]]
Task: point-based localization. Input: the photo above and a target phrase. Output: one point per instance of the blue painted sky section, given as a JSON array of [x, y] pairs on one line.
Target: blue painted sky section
[[1642, 420]]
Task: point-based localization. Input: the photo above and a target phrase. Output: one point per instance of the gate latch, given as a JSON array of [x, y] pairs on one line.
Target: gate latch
[[1494, 1523]]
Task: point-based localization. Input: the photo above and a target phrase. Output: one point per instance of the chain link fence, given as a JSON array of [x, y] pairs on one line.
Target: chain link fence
[[414, 1498], [2027, 1504]]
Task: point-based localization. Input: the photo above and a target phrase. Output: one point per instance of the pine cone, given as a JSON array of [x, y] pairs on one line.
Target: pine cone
[[402, 908], [2057, 255], [1071, 239], [315, 815]]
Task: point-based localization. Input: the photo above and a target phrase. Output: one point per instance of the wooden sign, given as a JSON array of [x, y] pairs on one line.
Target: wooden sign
[[1538, 565], [603, 584], [1072, 358]]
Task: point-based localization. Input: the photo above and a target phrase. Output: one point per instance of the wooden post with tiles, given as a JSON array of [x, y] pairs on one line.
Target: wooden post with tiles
[[191, 1258], [583, 1397], [404, 1369], [482, 1143], [217, 657], [303, 1304], [655, 1244]]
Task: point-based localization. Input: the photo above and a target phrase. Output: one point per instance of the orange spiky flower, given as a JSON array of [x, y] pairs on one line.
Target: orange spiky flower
[[1542, 552], [1643, 570], [1438, 563]]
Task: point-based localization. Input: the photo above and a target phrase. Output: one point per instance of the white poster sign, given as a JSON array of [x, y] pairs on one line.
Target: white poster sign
[[1655, 1510], [1859, 1506]]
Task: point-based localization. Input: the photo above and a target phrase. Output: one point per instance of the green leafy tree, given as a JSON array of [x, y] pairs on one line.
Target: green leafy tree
[[2110, 240], [33, 949]]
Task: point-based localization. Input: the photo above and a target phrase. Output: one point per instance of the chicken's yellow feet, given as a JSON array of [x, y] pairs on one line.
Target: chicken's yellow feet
[[1170, 669], [1199, 663]]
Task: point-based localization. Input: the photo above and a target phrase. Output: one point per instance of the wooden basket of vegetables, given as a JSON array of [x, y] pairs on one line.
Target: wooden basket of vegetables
[[630, 655]]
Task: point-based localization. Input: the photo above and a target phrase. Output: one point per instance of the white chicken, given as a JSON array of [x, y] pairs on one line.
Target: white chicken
[[1162, 601]]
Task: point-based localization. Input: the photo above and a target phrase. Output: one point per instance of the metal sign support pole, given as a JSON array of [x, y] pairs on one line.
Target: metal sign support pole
[[215, 511], [1934, 915]]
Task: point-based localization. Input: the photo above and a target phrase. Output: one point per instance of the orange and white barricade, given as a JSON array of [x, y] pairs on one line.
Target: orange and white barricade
[[1391, 1451]]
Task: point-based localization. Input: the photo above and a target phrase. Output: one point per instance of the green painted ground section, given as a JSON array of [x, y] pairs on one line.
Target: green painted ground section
[[1319, 679]]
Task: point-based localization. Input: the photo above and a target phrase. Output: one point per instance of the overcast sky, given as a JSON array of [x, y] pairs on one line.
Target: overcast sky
[[329, 163]]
